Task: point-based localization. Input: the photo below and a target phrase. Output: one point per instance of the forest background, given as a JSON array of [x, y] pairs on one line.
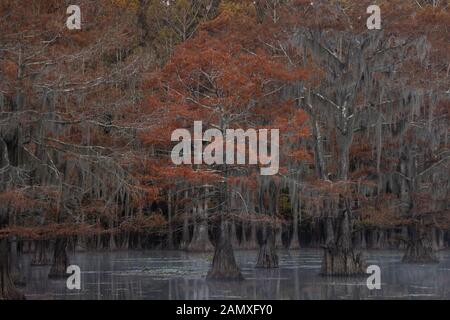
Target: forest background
[[86, 119]]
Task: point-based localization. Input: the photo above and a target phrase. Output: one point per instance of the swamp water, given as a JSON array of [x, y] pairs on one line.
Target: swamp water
[[181, 275]]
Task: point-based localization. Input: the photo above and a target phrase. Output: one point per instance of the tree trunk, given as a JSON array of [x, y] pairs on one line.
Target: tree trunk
[[169, 244], [267, 256], [126, 241], [224, 265], [318, 149], [112, 240], [363, 242], [279, 237], [403, 238], [26, 246], [15, 267], [244, 240], [99, 240], [339, 258], [440, 239], [60, 261], [295, 243], [251, 242], [329, 231], [419, 248], [200, 240], [233, 235], [379, 238], [7, 289], [186, 236], [80, 244], [437, 239]]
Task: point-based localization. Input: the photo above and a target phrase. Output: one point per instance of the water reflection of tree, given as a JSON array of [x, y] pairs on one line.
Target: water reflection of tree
[[118, 276]]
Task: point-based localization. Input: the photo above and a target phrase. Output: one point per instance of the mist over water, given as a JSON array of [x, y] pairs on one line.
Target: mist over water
[[181, 275]]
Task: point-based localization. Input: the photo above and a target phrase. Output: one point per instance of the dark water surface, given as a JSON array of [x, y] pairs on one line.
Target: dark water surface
[[181, 275]]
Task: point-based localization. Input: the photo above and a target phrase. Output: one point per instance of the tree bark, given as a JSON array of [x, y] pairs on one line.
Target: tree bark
[[80, 244], [15, 267], [279, 237], [186, 235], [318, 149], [224, 265], [251, 241], [40, 254], [339, 258], [419, 248], [267, 256], [295, 242], [233, 235], [169, 220], [200, 240], [329, 231], [363, 243], [60, 261], [297, 216], [437, 239], [7, 289]]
